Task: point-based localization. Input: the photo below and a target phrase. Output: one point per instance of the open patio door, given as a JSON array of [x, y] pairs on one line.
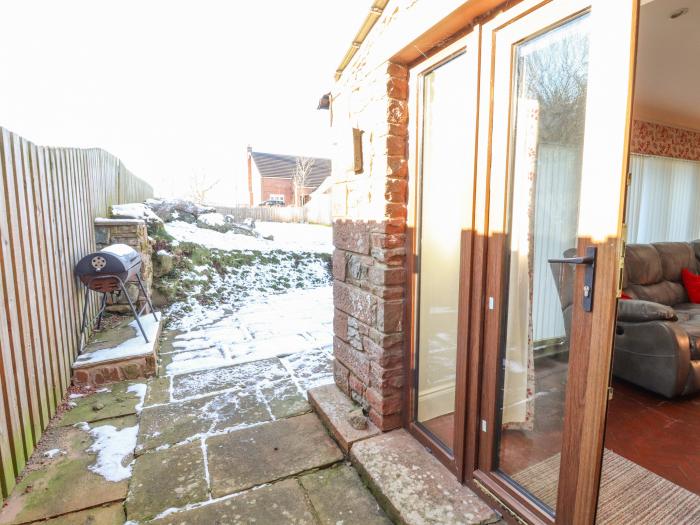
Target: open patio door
[[553, 141]]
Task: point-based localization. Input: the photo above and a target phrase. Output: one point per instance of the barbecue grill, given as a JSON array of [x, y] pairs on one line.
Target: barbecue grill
[[107, 272]]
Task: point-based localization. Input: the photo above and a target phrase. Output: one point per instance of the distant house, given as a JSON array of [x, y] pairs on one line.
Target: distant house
[[270, 177]]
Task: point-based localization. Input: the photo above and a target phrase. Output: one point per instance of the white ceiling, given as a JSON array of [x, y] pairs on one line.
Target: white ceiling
[[668, 64]]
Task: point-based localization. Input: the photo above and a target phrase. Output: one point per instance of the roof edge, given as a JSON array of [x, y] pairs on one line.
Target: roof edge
[[372, 16]]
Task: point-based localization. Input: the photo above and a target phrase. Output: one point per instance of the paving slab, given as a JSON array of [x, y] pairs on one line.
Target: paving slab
[[339, 496], [279, 503], [311, 369], [413, 486], [108, 515], [239, 376], [332, 406], [58, 481], [167, 339], [163, 479], [268, 379], [265, 453], [176, 422], [108, 402], [158, 391], [190, 360]]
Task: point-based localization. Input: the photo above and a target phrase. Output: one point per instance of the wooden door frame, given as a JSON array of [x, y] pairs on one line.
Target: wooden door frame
[[585, 401], [468, 44]]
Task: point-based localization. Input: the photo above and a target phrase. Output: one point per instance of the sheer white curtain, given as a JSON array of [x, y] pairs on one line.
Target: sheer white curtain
[[662, 202]]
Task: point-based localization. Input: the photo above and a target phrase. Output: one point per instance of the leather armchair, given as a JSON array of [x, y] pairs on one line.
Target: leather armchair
[[658, 335], [657, 339]]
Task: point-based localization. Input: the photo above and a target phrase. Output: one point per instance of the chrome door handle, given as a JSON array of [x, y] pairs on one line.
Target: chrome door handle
[[575, 260], [588, 277]]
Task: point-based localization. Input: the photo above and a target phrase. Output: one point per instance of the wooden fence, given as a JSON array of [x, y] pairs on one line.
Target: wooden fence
[[49, 198], [276, 214]]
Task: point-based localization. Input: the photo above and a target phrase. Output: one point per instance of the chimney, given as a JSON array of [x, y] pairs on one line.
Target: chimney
[[250, 175]]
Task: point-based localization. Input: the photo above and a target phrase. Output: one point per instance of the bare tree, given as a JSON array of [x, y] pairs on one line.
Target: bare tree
[[200, 186], [302, 170]]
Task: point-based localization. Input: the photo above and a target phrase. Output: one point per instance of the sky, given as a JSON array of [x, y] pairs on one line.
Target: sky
[[176, 89]]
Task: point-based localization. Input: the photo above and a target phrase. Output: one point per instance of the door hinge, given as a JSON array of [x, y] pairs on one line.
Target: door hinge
[[610, 393], [484, 426], [491, 303]]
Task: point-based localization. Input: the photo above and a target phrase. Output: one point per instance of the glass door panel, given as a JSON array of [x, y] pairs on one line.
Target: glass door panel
[[553, 141], [547, 131], [443, 207]]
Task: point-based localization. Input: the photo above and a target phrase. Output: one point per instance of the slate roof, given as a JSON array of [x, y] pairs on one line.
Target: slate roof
[[283, 166]]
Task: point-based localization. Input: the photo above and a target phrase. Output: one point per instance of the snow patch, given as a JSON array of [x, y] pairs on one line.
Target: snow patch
[[212, 219], [119, 249], [287, 237], [133, 347], [112, 446], [134, 210], [52, 453], [140, 390]]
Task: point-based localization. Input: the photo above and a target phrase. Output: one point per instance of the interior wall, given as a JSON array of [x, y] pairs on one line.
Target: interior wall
[[649, 138]]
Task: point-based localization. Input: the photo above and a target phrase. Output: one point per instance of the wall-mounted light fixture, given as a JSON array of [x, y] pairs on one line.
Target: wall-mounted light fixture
[[325, 102]]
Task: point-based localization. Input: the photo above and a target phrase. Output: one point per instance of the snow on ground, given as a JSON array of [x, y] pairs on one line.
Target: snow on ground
[[136, 346], [112, 447], [275, 326], [134, 210], [292, 237], [140, 390], [212, 219], [278, 303]]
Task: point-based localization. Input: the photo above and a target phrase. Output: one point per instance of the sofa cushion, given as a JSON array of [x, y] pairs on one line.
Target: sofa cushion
[[674, 257], [688, 315], [643, 265], [635, 311], [664, 292], [691, 283]]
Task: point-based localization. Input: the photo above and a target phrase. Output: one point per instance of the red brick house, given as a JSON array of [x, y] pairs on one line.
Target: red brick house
[[270, 177], [493, 158]]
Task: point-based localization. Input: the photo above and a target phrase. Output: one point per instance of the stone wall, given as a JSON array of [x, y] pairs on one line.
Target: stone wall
[[369, 263], [131, 232]]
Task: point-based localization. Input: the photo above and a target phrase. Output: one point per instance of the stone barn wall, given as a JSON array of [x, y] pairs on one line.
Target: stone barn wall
[[369, 205]]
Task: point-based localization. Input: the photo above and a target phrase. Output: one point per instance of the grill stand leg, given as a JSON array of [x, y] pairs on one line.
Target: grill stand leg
[[103, 306], [133, 309], [83, 325], [148, 299]]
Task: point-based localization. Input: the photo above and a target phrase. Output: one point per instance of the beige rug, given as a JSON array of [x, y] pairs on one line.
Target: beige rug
[[629, 494]]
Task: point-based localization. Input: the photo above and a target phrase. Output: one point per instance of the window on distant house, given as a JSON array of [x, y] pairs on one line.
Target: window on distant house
[[276, 197]]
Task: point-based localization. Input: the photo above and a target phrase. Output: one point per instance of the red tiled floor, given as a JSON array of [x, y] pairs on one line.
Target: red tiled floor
[[443, 428], [659, 434], [522, 448]]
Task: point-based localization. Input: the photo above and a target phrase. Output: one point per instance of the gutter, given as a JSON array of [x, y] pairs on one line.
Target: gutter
[[374, 13]]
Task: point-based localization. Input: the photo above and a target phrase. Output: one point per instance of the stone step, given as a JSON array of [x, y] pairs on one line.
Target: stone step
[[333, 408], [413, 487], [120, 353]]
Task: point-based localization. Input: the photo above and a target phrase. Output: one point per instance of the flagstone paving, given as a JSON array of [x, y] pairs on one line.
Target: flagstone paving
[[225, 434], [59, 480], [263, 453]]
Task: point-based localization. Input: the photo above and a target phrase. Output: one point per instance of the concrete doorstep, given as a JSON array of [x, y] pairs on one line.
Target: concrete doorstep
[[410, 484]]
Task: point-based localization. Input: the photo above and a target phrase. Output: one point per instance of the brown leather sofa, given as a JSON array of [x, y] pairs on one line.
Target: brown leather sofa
[[657, 341]]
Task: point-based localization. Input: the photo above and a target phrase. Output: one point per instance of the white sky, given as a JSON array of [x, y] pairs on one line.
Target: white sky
[[174, 88]]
